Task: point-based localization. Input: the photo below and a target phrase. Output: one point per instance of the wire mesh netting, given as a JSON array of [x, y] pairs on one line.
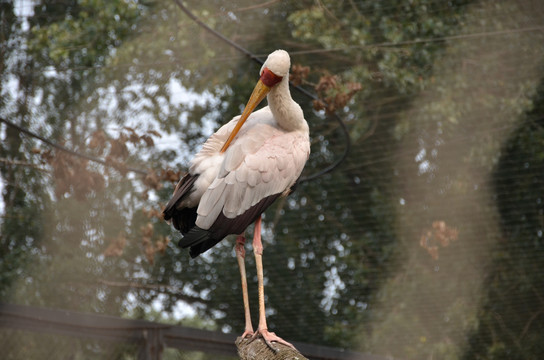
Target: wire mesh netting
[[19, 344], [33, 332], [424, 243]]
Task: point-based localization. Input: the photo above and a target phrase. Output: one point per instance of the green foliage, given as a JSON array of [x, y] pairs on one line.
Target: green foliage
[[83, 32], [509, 332], [436, 137]]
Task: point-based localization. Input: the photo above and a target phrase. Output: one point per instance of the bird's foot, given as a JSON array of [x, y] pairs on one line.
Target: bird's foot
[[270, 337], [248, 333]]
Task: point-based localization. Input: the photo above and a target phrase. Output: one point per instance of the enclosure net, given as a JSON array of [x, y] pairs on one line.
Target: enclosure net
[[424, 243]]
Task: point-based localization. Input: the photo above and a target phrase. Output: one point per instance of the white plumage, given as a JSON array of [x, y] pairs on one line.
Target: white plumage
[[264, 159], [240, 171]]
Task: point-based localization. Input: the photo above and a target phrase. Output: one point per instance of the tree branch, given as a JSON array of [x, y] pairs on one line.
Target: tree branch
[[174, 291], [257, 349], [22, 163]]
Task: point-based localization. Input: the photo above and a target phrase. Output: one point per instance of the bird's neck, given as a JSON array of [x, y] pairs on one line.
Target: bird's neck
[[286, 111]]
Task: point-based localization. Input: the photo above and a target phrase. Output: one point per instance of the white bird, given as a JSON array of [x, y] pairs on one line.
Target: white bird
[[242, 168]]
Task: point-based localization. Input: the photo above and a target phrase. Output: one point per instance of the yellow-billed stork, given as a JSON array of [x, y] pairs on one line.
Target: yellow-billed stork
[[242, 168]]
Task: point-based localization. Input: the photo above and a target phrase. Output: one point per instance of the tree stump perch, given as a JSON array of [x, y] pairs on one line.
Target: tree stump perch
[[258, 350]]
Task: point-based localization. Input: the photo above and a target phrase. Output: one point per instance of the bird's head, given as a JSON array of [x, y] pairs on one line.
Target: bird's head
[[275, 68], [278, 63]]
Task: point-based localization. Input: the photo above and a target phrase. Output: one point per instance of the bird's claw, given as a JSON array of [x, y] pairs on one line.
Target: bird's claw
[[247, 334], [270, 337]]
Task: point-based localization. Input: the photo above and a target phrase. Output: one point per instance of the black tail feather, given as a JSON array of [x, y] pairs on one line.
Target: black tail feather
[[183, 218], [183, 189], [195, 236], [199, 240], [203, 246]]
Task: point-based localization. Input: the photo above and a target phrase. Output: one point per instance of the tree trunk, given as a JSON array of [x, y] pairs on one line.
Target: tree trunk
[[258, 350]]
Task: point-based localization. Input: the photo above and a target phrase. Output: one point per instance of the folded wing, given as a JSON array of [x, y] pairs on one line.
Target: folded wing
[[254, 172]]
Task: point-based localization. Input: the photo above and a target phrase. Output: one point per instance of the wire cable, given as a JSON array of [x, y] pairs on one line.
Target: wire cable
[[65, 149], [298, 88]]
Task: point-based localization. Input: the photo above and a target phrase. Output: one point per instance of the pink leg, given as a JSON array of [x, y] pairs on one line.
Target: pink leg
[[262, 329], [240, 256]]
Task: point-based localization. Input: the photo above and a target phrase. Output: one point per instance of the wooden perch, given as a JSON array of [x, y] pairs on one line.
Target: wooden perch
[[258, 350]]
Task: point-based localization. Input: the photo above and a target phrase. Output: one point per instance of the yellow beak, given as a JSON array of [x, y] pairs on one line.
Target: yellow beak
[[258, 94]]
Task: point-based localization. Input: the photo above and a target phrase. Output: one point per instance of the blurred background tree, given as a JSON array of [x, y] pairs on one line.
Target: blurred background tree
[[425, 243]]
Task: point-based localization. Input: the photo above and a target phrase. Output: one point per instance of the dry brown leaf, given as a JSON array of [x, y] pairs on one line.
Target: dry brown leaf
[[117, 245], [298, 74], [439, 235]]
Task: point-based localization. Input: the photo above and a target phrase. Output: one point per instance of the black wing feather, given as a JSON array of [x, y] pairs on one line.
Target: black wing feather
[[200, 240], [183, 219]]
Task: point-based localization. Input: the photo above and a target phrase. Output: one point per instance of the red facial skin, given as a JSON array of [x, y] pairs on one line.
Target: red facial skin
[[269, 78]]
